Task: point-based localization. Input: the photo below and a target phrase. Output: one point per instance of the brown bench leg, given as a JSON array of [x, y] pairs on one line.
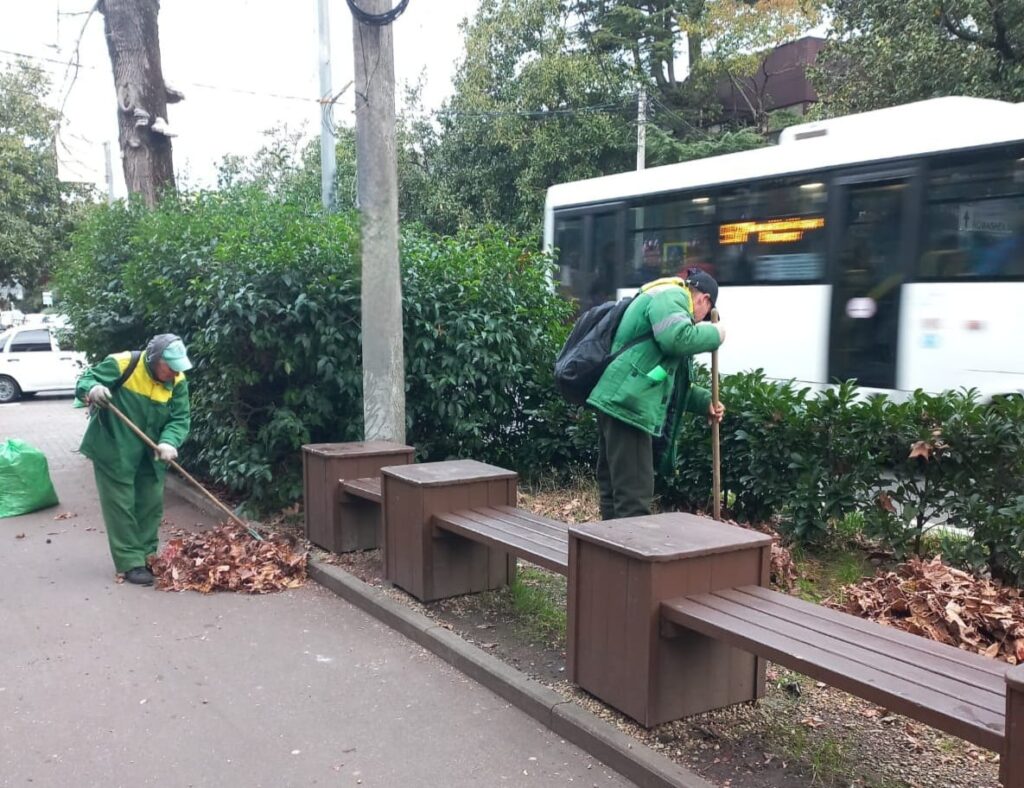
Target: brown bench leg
[[430, 563], [1011, 763], [619, 573], [338, 522]]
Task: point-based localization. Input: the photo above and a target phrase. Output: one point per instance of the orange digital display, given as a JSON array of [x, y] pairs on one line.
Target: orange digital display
[[772, 231]]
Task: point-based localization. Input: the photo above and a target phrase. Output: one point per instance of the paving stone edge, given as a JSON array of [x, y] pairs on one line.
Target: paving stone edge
[[609, 745]]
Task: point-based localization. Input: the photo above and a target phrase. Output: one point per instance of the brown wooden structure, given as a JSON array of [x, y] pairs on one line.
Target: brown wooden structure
[[669, 615], [342, 491], [430, 562], [619, 573], [950, 689], [1011, 764]]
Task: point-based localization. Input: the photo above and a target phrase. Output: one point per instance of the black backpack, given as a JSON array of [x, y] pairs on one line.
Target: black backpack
[[587, 352]]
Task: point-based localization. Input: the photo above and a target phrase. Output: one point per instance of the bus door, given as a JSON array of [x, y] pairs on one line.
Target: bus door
[[872, 238], [591, 250]]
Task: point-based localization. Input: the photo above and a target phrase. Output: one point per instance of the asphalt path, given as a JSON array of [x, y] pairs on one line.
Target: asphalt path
[[107, 684]]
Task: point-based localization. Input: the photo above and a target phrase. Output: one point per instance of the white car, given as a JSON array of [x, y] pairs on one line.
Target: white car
[[31, 361]]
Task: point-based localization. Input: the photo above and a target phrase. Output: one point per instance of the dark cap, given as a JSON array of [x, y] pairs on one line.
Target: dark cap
[[704, 282]]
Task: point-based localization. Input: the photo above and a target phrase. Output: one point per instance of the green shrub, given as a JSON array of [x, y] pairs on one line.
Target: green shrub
[[265, 291]]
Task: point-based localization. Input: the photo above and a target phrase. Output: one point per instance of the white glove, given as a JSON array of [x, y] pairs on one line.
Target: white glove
[[165, 452], [721, 332], [98, 395]]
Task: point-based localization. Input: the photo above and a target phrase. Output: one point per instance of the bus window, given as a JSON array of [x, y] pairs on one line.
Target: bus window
[[974, 221], [668, 236], [772, 233], [569, 243]]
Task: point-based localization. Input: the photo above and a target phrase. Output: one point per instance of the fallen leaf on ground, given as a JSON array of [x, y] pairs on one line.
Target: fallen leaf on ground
[[19, 536], [65, 516], [229, 559], [945, 604]]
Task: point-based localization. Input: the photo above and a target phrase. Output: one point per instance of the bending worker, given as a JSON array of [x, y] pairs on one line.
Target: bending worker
[[635, 391], [150, 389]]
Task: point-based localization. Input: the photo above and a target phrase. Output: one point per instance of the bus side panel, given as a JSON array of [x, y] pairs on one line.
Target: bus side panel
[[963, 334], [782, 329]]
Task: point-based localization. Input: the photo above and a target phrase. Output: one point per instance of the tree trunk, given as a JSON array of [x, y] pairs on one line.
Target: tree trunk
[[133, 42]]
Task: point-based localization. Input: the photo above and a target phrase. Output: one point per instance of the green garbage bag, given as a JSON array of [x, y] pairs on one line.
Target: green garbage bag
[[24, 479]]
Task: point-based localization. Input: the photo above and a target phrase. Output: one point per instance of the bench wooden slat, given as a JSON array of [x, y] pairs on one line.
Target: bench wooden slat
[[958, 716], [987, 672], [551, 529], [547, 550], [983, 674], [368, 488], [882, 656], [555, 539], [545, 523]]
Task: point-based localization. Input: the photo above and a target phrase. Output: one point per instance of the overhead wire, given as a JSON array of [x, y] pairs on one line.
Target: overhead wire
[[202, 85]]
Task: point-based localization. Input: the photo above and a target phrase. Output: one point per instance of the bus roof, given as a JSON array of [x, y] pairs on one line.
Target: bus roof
[[930, 126]]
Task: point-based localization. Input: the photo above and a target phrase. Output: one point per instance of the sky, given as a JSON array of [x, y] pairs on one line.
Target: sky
[[245, 66]]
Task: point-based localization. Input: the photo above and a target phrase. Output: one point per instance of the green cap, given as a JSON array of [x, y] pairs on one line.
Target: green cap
[[176, 357]]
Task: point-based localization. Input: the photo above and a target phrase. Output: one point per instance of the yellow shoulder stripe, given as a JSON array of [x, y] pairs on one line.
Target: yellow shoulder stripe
[[142, 383]]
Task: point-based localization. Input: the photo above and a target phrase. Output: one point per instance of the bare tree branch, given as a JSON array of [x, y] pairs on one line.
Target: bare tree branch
[[76, 61]]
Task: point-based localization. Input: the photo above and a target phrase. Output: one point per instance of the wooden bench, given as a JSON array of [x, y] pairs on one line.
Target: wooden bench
[[341, 484], [367, 489], [956, 691], [529, 536]]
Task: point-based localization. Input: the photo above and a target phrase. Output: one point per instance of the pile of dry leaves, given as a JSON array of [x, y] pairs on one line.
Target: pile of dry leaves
[[229, 559], [931, 599]]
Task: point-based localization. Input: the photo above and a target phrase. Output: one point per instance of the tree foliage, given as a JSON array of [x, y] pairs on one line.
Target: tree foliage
[[882, 53], [723, 40], [547, 92], [34, 214], [264, 288], [529, 109]]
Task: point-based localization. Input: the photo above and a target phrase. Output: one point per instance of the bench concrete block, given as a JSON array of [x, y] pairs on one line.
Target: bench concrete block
[[430, 563], [619, 573], [1012, 760], [335, 521]]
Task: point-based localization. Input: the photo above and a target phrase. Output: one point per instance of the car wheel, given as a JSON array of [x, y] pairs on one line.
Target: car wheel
[[9, 390]]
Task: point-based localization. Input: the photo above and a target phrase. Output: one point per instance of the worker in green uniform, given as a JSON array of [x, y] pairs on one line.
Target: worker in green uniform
[[129, 475], [644, 390]]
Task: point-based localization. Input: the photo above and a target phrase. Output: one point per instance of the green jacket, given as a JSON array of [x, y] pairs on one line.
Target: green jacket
[[161, 410], [626, 391]]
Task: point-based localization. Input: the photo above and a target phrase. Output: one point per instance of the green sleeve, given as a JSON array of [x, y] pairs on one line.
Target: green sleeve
[[176, 429], [699, 400], [674, 330], [105, 373]]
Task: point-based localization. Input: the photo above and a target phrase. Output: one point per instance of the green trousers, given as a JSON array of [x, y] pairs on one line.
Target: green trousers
[[625, 469], [132, 509]]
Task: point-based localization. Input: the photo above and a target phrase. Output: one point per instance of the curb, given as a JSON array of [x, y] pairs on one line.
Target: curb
[[175, 485], [603, 741]]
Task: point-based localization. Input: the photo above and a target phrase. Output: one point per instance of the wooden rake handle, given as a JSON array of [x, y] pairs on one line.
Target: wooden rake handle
[[716, 446], [187, 476]]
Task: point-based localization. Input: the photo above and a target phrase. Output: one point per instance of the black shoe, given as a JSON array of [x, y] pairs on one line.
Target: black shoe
[[140, 576]]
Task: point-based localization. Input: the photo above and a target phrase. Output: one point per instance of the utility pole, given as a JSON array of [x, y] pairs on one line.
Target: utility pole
[[377, 195], [108, 171], [328, 152], [641, 128]]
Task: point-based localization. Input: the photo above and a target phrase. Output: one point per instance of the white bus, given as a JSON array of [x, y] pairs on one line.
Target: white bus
[[886, 247]]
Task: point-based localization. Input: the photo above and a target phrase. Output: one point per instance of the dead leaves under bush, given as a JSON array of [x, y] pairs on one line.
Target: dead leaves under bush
[[941, 603], [229, 559]]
